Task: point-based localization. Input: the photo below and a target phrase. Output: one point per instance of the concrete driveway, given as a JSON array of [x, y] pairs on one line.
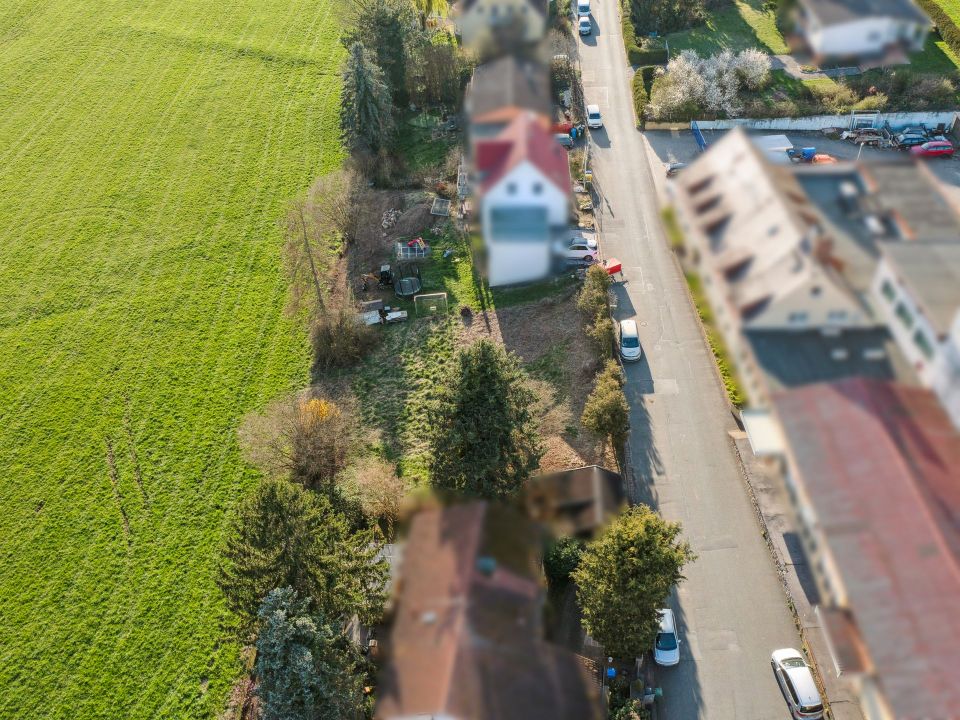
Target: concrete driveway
[[731, 610]]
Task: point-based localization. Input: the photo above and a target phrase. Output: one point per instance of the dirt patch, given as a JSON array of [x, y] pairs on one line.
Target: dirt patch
[[549, 338]]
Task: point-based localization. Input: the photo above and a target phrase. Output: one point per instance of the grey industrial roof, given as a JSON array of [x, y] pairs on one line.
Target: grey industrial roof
[[879, 464], [932, 271], [789, 359], [901, 197], [837, 12]]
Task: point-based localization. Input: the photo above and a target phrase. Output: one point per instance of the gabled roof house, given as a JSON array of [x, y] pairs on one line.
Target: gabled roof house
[[522, 181], [466, 641]]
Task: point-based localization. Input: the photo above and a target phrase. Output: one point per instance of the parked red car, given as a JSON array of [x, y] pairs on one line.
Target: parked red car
[[933, 148]]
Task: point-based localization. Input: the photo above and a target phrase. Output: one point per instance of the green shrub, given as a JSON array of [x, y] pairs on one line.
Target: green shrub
[[640, 97], [593, 299], [340, 339], [604, 336], [945, 25], [640, 56], [649, 72], [606, 412], [561, 559], [871, 103]]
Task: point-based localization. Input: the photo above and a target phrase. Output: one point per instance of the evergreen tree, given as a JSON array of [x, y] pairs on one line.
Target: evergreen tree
[[606, 412], [283, 535], [483, 436], [624, 578], [306, 668], [366, 117]]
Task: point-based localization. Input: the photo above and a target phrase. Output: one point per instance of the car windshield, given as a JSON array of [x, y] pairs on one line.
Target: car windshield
[[630, 342], [594, 115], [793, 662], [666, 641], [811, 708]]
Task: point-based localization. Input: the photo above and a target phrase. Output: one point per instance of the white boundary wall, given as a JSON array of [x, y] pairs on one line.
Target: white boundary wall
[[821, 122]]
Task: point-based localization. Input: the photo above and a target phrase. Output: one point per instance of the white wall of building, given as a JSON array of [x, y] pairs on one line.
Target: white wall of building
[[526, 186], [820, 122], [510, 262], [936, 360]]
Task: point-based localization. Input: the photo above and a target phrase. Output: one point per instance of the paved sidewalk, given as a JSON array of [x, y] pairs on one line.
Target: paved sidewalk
[[773, 506]]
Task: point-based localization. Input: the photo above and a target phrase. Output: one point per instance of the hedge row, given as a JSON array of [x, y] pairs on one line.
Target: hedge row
[[640, 96], [945, 25], [638, 56]]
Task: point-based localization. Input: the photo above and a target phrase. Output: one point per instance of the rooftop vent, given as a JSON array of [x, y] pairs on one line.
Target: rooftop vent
[[839, 354], [874, 225], [849, 189], [486, 565], [874, 354], [428, 618]]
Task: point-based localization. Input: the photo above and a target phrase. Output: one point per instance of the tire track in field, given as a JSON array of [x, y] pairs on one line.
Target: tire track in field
[[254, 90], [106, 379], [272, 317], [199, 66]]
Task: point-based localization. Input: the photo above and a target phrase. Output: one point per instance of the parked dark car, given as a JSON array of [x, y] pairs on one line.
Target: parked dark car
[[909, 139]]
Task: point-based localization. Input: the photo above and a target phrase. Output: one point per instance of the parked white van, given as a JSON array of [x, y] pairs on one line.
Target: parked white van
[[583, 8]]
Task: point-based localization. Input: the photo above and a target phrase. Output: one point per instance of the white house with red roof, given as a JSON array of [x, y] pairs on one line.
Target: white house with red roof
[[522, 180]]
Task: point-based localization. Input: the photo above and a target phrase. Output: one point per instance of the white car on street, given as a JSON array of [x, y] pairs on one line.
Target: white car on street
[[593, 117], [666, 648], [630, 349], [797, 684], [584, 26], [580, 250]]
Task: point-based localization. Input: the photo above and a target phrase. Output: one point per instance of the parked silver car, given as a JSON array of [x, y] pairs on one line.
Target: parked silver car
[[797, 684], [630, 350]]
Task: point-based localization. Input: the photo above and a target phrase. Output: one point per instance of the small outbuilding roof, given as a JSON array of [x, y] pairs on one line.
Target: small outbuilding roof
[[839, 12]]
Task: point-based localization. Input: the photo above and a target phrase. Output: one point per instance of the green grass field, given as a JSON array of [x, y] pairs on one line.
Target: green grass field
[[149, 148], [744, 24]]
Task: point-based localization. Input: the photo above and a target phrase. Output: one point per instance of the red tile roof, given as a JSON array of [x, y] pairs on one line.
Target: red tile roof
[[524, 139], [880, 463], [467, 643]]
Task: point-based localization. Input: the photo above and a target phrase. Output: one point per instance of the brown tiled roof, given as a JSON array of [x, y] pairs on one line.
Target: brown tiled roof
[[880, 464], [577, 501], [466, 640], [503, 88]]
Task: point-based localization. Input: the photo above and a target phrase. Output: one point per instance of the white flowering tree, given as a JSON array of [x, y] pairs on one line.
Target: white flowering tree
[[713, 83]]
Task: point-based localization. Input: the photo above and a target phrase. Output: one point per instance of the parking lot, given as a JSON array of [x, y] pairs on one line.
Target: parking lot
[[679, 146]]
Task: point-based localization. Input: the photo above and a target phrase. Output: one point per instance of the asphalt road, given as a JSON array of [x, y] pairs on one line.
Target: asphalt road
[[731, 610]]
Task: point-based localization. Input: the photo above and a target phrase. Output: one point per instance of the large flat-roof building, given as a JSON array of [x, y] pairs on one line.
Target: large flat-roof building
[[789, 257], [872, 468]]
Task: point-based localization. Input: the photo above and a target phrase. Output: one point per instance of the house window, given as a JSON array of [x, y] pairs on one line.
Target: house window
[[888, 291], [797, 318], [537, 188], [921, 341], [837, 315], [494, 10], [511, 188], [906, 317]]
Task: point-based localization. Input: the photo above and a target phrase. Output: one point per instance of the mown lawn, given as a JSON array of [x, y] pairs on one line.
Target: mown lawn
[[149, 148], [745, 24]]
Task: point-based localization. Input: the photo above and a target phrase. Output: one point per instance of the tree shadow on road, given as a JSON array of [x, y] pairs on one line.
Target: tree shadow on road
[[645, 464]]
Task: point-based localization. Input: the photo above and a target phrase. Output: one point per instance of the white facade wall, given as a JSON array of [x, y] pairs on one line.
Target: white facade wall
[[511, 262], [820, 122], [519, 189], [938, 368], [866, 36]]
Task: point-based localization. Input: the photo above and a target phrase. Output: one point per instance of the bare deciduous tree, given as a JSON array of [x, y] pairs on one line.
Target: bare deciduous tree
[[307, 438], [373, 484]]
